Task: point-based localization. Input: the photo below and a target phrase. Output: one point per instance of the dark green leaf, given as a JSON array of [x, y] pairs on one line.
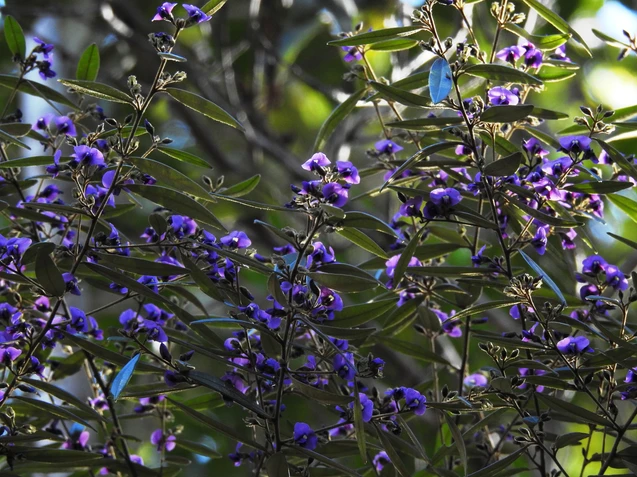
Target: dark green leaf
[[440, 80], [363, 241], [626, 205], [458, 440], [484, 307], [605, 187], [571, 409], [627, 166], [229, 393], [199, 449], [410, 349], [336, 117], [344, 470], [15, 37], [359, 425], [394, 45], [54, 410], [98, 90], [183, 156], [343, 282], [124, 376], [630, 243], [502, 73], [48, 275], [202, 280], [31, 161], [346, 333], [376, 36], [406, 256], [554, 75], [506, 114], [320, 395], [89, 64], [215, 425], [16, 129], [544, 276], [357, 315], [541, 216], [391, 93], [546, 43], [506, 166], [494, 469], [277, 465], [242, 188], [35, 89], [395, 459], [363, 220], [554, 19], [425, 123], [203, 106], [570, 439], [59, 456], [170, 177], [177, 202], [141, 266], [547, 113], [9, 139]]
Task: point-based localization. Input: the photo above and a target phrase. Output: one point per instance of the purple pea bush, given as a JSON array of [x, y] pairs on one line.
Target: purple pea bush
[[484, 192]]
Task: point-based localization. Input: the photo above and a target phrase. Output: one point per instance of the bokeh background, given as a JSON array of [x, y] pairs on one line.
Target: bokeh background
[[267, 63]]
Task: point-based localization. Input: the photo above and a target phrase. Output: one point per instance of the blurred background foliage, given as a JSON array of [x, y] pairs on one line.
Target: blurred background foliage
[[267, 63]]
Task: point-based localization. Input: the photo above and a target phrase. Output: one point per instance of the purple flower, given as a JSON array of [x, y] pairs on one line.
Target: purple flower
[[367, 407], [87, 156], [316, 162], [304, 436], [574, 345], [195, 15], [44, 48], [353, 54], [79, 320], [54, 169], [575, 144], [558, 166], [236, 239], [393, 261], [588, 290], [540, 241], [387, 146], [71, 284], [594, 265], [182, 226], [164, 12], [415, 401], [510, 54], [45, 70], [335, 194], [9, 355], [348, 172], [380, 461], [476, 379], [344, 366], [615, 278], [64, 125], [411, 208], [319, 255], [533, 57], [534, 147], [500, 96], [445, 197], [163, 441]]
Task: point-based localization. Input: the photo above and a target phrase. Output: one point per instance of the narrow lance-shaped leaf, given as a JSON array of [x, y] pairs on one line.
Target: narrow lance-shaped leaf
[[544, 276], [48, 275], [98, 90], [35, 89], [376, 36], [15, 37], [506, 114], [406, 256], [124, 376], [359, 425], [336, 117], [204, 106], [440, 80], [458, 440], [625, 204], [504, 167], [363, 241], [507, 74], [277, 465], [89, 64], [401, 96]]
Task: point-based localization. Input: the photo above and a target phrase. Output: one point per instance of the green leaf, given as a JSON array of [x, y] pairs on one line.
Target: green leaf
[[506, 114], [422, 124], [558, 22], [410, 349], [542, 113], [359, 425], [357, 315], [170, 177], [571, 409], [59, 456], [502, 73], [494, 469], [609, 39], [626, 205], [15, 37], [203, 106], [555, 75], [9, 139], [376, 36], [406, 255], [546, 43], [436, 271], [542, 274], [604, 187], [55, 410], [484, 307], [141, 266], [420, 155], [202, 280], [630, 243], [183, 156], [395, 459], [124, 376], [323, 460], [401, 96], [89, 64], [199, 449], [504, 167], [440, 80], [35, 89], [277, 465], [321, 395], [541, 216], [177, 202], [215, 425], [570, 439], [362, 240], [625, 165], [16, 129], [98, 90], [458, 440], [213, 6], [242, 188], [336, 117], [48, 275], [363, 220], [229, 393], [344, 282], [394, 45], [31, 161]]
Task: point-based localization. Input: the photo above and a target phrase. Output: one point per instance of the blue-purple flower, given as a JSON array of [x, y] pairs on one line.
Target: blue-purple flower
[[87, 156], [387, 146], [236, 240], [510, 54], [501, 96], [304, 436], [380, 461], [574, 345], [44, 48], [316, 162], [163, 441], [164, 12], [476, 380], [335, 194], [195, 14], [352, 53]]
